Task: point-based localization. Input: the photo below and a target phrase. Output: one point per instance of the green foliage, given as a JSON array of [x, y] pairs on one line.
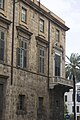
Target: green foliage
[[65, 109], [71, 117], [72, 67]]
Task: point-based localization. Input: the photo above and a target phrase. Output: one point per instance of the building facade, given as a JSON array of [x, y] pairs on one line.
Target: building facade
[[32, 62], [69, 101]]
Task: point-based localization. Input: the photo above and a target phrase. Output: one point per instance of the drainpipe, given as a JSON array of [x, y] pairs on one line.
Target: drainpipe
[[74, 93], [12, 51], [48, 50]]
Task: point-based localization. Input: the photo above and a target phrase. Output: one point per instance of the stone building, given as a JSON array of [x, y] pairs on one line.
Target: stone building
[[32, 62]]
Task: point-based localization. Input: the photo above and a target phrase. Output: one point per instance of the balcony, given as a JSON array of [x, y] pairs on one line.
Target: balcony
[[59, 81]]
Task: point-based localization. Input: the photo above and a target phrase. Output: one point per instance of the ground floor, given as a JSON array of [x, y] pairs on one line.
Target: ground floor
[[28, 98]]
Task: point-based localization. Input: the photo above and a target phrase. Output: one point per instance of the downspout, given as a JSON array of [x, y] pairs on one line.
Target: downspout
[[74, 93], [48, 50], [12, 51]]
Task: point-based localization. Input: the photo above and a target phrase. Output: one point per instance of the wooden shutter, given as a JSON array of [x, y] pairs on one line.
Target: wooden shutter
[[18, 56], [57, 65], [2, 46], [41, 60]]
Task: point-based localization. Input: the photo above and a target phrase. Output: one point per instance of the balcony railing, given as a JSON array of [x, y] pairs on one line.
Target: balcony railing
[[60, 81]]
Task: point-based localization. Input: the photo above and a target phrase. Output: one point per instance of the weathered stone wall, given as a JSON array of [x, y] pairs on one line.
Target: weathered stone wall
[[29, 82]]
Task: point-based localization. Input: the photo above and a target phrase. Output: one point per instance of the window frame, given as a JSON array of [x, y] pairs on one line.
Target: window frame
[[21, 102], [2, 5], [72, 109], [22, 53], [2, 41], [24, 10], [41, 44], [77, 109], [57, 35], [40, 109], [56, 67], [72, 98], [41, 60], [40, 102], [41, 25], [65, 98]]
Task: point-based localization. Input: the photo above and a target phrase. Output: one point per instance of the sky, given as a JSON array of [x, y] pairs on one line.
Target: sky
[[69, 11]]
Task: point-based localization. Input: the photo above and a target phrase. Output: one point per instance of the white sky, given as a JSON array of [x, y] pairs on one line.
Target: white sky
[[69, 11]]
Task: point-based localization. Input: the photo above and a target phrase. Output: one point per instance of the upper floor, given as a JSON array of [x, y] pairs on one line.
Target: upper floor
[[37, 32]]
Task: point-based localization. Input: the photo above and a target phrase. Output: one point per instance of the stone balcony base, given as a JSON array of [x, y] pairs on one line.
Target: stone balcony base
[[59, 81]]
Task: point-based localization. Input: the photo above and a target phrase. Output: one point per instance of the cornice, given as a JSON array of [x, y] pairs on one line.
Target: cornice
[[4, 76], [24, 30], [44, 13], [42, 41], [8, 22]]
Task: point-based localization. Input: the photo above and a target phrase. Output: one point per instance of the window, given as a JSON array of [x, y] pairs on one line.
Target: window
[[77, 108], [57, 35], [65, 98], [72, 97], [57, 65], [40, 106], [78, 95], [22, 54], [24, 15], [1, 4], [72, 108], [57, 103], [41, 25], [40, 111], [21, 103], [1, 46], [41, 60]]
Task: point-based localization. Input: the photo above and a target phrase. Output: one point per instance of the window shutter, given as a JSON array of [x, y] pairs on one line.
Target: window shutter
[[18, 56], [41, 60], [1, 4], [2, 46], [57, 65], [22, 54], [25, 59]]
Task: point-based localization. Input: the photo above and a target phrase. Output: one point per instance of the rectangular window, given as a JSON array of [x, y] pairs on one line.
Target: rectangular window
[[40, 111], [40, 106], [22, 54], [57, 103], [24, 15], [1, 4], [72, 108], [72, 97], [41, 60], [57, 65], [1, 46], [41, 25], [78, 95], [57, 35], [65, 98], [77, 108], [21, 103]]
